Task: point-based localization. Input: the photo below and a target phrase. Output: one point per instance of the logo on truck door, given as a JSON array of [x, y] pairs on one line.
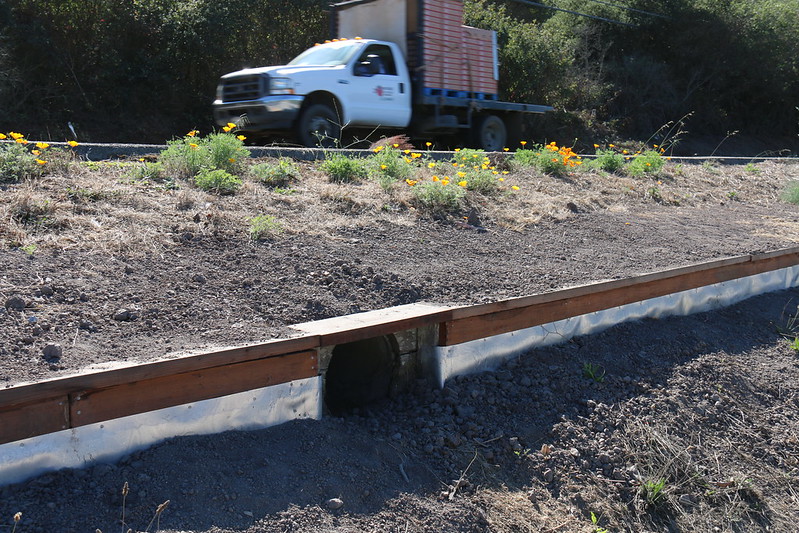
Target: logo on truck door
[[386, 93]]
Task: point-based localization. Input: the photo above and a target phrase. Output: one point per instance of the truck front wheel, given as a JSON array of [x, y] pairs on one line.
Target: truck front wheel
[[490, 133], [319, 125]]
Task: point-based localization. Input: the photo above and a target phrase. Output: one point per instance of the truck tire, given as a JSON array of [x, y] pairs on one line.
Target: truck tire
[[319, 125], [490, 133]]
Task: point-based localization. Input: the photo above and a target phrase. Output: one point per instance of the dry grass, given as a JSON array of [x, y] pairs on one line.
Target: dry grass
[[101, 206]]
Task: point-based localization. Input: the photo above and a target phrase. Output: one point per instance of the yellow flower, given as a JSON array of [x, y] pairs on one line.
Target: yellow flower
[[226, 129], [411, 182], [523, 143], [625, 152], [596, 146], [515, 187], [40, 162], [2, 136], [378, 149], [445, 182], [240, 137], [383, 167], [505, 172], [192, 133], [416, 155], [193, 145], [431, 165], [36, 152], [455, 165], [395, 145], [428, 144], [21, 141], [505, 149], [461, 174], [407, 159], [612, 145], [73, 144], [406, 151], [232, 160], [457, 149], [495, 172], [435, 178], [42, 146], [463, 183], [16, 136], [501, 179]]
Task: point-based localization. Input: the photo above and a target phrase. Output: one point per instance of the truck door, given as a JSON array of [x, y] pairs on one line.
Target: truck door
[[379, 96]]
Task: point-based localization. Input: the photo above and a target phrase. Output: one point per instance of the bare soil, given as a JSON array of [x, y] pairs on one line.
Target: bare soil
[[99, 269]]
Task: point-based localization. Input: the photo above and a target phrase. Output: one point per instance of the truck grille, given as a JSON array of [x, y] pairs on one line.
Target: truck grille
[[243, 88]]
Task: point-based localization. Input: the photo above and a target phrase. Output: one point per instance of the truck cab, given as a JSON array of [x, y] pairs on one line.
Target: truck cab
[[361, 83]]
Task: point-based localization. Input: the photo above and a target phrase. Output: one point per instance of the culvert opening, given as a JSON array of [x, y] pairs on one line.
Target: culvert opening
[[360, 373]]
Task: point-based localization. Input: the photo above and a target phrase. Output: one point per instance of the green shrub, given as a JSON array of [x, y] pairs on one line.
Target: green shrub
[[791, 193], [217, 180], [547, 159], [278, 174], [18, 163], [438, 197], [147, 171], [343, 169], [226, 151], [187, 156], [649, 162], [389, 165], [608, 160], [263, 227]]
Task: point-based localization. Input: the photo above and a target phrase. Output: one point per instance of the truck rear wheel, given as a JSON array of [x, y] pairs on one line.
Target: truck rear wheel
[[319, 125], [490, 134]]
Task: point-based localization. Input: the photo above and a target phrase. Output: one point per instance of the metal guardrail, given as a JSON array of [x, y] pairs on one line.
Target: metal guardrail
[[104, 151]]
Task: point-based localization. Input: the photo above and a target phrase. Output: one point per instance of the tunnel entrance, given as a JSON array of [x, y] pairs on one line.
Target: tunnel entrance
[[360, 373]]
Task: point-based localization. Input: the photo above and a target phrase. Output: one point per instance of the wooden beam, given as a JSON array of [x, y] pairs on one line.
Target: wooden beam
[[68, 385], [371, 324], [29, 420], [97, 405], [478, 322]]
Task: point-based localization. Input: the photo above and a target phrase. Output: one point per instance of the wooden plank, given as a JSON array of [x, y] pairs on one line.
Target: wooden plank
[[29, 420], [126, 399], [371, 324], [512, 315], [64, 386]]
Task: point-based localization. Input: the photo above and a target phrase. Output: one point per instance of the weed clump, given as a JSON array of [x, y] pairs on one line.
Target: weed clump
[[217, 180], [649, 162], [791, 193], [343, 169], [278, 174], [263, 227], [186, 157], [438, 198]]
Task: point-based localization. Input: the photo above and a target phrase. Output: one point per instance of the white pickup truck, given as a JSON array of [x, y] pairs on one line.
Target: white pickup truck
[[447, 84]]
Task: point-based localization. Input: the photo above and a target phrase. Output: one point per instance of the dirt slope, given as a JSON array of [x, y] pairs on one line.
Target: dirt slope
[[115, 269]]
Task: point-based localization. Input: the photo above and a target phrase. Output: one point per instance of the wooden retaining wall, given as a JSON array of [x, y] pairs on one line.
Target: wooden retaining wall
[[45, 407]]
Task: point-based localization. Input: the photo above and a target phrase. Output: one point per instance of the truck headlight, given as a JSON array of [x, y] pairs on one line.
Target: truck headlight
[[281, 86]]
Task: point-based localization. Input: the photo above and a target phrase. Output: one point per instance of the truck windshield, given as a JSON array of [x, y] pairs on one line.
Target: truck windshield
[[328, 54]]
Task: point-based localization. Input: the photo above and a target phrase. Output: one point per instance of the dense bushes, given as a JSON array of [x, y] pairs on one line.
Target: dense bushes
[[137, 70], [146, 70]]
